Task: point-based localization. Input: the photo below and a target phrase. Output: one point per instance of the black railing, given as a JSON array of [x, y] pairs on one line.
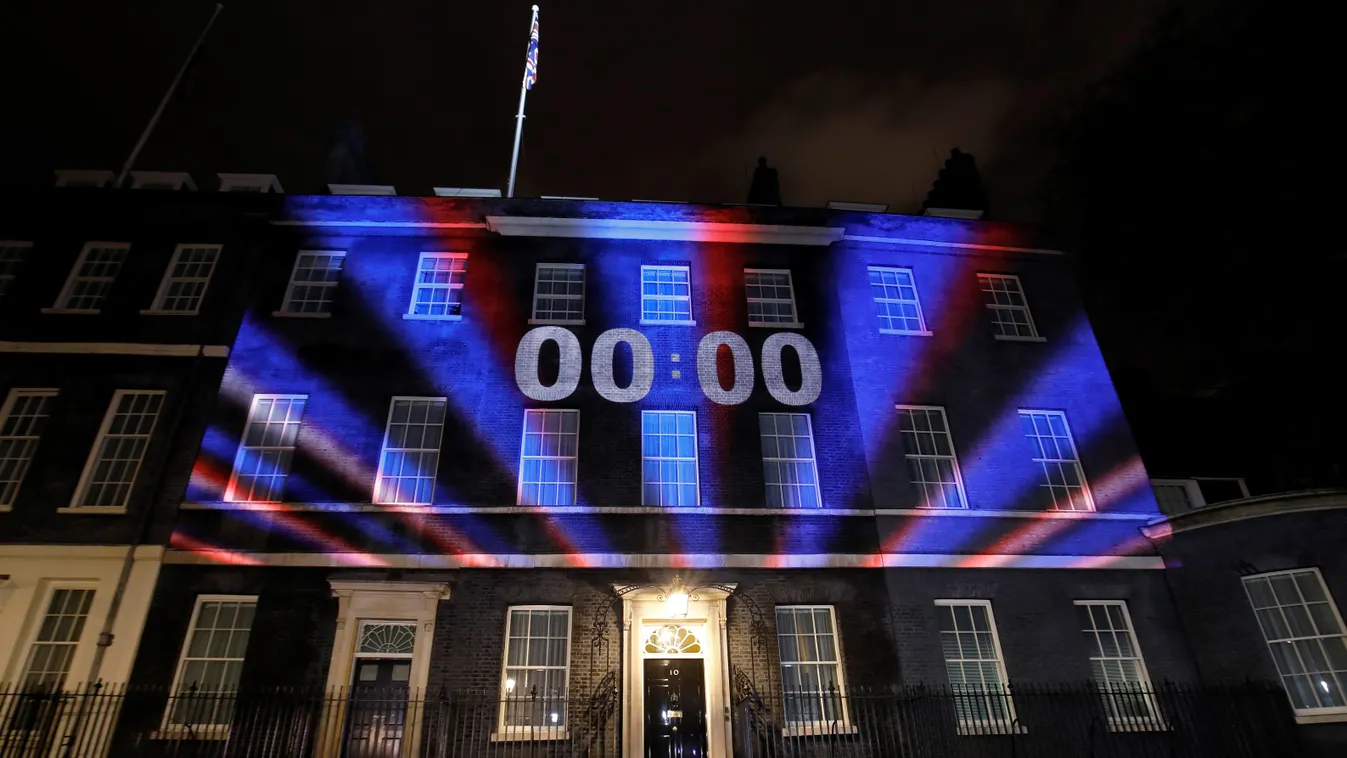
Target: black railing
[[1170, 721], [1044, 721]]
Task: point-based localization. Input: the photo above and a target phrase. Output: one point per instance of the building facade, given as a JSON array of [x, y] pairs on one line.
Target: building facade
[[471, 476], [116, 315], [607, 462]]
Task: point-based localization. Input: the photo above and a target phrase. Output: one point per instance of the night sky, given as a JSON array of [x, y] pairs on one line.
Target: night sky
[[662, 100]]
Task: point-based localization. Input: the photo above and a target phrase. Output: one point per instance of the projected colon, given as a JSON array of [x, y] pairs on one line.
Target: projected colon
[[643, 366]]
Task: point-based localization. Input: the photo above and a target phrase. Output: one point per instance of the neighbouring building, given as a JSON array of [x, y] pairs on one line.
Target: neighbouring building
[[510, 477], [116, 315]]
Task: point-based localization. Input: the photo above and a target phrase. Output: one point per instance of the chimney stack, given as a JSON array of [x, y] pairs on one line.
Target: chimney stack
[[958, 192], [766, 187]]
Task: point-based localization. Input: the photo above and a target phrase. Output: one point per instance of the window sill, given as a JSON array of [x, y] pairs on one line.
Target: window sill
[[1017, 338], [176, 733], [424, 317], [818, 730], [545, 734], [776, 325], [289, 314], [556, 322], [72, 311], [94, 510], [909, 333], [1331, 716], [153, 312], [1138, 725], [651, 322], [974, 730]]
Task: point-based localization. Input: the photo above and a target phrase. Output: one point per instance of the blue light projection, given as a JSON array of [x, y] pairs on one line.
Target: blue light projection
[[493, 364]]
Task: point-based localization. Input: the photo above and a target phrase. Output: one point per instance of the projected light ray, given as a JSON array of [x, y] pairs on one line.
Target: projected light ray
[[1041, 534], [180, 541]]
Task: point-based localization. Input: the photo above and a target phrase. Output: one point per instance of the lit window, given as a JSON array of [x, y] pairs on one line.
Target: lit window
[[267, 447], [1116, 662], [896, 304], [313, 283], [788, 460], [57, 637], [973, 660], [1004, 298], [559, 294], [119, 450], [666, 295], [931, 463], [537, 666], [22, 419], [411, 451], [92, 277], [669, 458], [1304, 633], [207, 678], [438, 291], [185, 281], [547, 460], [811, 668], [771, 298], [1055, 453], [12, 257]]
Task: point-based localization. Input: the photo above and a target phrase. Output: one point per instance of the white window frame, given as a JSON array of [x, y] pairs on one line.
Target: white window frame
[[983, 727], [953, 457], [284, 310], [523, 441], [924, 331], [691, 320], [384, 449], [1144, 689], [231, 491], [1080, 471], [535, 732], [794, 323], [1193, 488], [7, 280], [537, 271], [1304, 715], [96, 451], [6, 409], [810, 728], [67, 290], [1033, 335], [41, 611], [812, 459], [199, 730], [696, 458], [417, 286], [157, 309]]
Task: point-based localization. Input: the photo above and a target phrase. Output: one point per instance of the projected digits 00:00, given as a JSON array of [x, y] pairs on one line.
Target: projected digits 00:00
[[643, 366]]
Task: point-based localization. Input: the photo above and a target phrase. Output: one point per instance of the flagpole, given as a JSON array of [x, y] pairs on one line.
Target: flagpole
[[163, 102], [519, 117]]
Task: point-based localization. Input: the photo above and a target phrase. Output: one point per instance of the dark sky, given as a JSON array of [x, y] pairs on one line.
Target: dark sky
[[662, 100]]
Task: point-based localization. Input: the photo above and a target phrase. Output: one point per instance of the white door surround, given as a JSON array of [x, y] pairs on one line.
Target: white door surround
[[644, 611], [357, 601]]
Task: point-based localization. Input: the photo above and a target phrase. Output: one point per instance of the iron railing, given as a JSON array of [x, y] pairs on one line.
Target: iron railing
[[1173, 721], [1044, 721]]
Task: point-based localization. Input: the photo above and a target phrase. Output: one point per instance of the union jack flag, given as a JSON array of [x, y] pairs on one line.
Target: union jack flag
[[531, 66]]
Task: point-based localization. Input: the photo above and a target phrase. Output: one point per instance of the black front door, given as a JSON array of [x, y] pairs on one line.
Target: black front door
[[675, 708], [378, 708]]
